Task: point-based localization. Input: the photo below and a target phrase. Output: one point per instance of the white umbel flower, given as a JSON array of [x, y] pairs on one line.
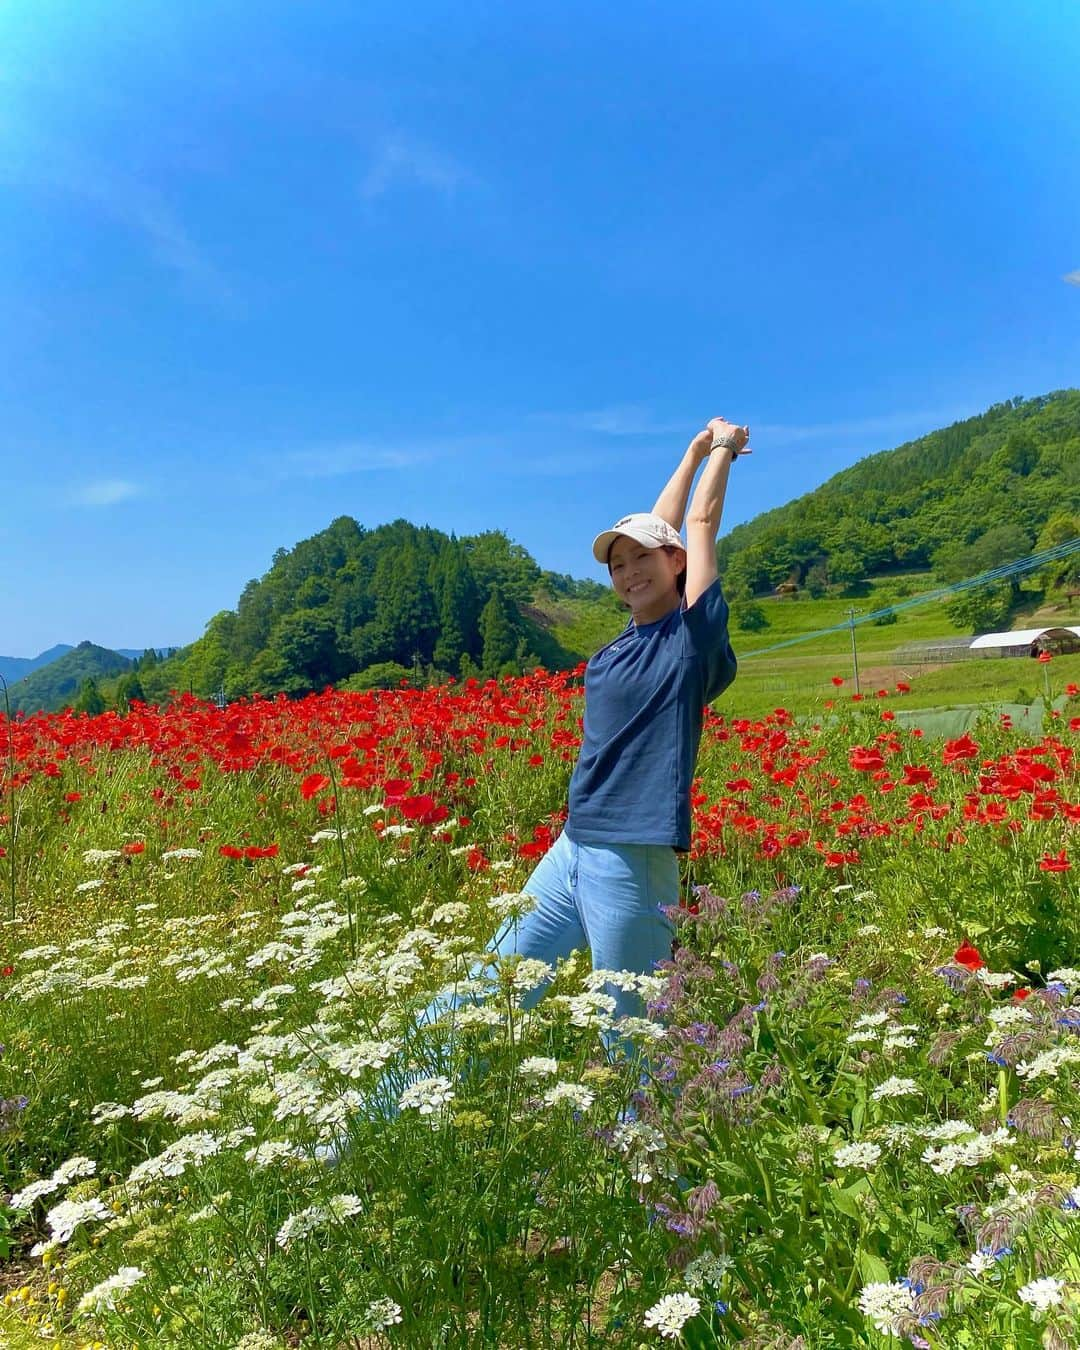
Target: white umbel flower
[[885, 1304], [428, 1095], [857, 1155], [105, 1294], [672, 1313], [895, 1087], [1042, 1294]]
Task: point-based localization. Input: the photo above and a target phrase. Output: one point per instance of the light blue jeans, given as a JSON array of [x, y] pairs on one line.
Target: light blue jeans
[[606, 897]]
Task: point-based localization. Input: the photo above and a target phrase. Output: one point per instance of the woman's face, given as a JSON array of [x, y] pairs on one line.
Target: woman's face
[[644, 578]]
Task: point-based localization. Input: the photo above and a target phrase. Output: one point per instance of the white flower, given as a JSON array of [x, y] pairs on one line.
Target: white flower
[[396, 831], [579, 1096], [934, 932], [867, 930], [706, 1269], [104, 1295], [68, 1215], [74, 1168], [512, 904], [948, 1129], [1066, 975], [381, 1314], [1041, 1294], [100, 855], [525, 973], [1047, 1064], [89, 885], [25, 1198], [857, 1155], [861, 1037], [895, 1087], [980, 1263], [452, 912], [672, 1313], [428, 1095], [993, 980], [874, 1019], [172, 853], [537, 1066], [885, 1304]]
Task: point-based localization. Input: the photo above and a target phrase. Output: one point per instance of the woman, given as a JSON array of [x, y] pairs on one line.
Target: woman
[[605, 881]]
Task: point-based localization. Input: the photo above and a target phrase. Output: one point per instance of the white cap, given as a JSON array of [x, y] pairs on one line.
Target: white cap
[[652, 531]]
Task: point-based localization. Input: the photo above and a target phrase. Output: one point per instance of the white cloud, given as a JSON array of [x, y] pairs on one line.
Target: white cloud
[[1073, 278], [904, 425], [620, 419], [43, 164], [105, 492], [332, 461], [399, 159]]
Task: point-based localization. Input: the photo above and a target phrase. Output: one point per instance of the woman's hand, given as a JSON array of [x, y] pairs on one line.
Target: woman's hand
[[720, 429]]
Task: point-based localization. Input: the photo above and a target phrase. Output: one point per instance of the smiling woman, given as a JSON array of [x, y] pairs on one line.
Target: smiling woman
[[608, 877]]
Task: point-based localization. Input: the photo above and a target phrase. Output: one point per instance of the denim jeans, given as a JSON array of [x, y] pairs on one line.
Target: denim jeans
[[606, 897]]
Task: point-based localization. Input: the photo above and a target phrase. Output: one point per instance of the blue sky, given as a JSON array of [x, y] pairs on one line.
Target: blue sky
[[488, 265]]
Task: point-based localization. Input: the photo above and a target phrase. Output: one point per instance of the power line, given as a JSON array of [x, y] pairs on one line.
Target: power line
[[1028, 564]]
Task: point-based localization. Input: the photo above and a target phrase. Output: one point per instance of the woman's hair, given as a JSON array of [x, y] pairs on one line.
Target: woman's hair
[[680, 580]]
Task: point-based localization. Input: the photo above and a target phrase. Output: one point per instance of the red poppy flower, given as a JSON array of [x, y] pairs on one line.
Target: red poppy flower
[[312, 784], [1054, 862], [230, 851], [968, 956], [1021, 994], [1044, 657], [838, 680], [7, 970], [73, 796], [254, 851], [136, 846]]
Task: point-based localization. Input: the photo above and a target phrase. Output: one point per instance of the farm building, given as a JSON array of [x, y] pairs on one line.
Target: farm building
[[1030, 641]]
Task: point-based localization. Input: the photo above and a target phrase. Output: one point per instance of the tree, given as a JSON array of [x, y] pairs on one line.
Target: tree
[[384, 675], [1062, 527], [748, 616], [128, 691], [90, 700], [459, 611], [498, 630], [981, 609]]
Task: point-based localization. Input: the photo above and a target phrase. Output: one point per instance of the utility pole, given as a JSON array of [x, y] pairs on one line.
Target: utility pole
[[854, 649]]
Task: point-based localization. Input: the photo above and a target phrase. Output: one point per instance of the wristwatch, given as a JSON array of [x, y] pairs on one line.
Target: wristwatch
[[726, 443]]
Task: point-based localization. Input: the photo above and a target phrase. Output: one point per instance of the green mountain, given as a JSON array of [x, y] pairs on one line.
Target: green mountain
[[14, 668], [968, 497], [367, 608], [58, 684]]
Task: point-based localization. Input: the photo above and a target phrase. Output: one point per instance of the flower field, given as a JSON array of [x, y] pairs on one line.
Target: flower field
[[855, 1119]]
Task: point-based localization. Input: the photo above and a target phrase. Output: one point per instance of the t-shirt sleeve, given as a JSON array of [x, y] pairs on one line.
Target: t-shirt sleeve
[[705, 635]]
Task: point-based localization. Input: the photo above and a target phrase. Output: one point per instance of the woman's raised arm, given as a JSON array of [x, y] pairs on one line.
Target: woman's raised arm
[[703, 520], [671, 504]]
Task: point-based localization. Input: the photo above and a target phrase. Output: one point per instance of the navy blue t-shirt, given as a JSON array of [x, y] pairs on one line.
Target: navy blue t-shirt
[[645, 695]]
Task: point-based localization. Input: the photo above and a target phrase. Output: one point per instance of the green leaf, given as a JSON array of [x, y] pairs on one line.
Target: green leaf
[[872, 1268]]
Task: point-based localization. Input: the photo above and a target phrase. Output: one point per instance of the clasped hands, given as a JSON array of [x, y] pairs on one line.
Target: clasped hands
[[720, 434]]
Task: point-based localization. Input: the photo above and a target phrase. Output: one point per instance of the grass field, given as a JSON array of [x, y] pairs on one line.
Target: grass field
[[799, 676]]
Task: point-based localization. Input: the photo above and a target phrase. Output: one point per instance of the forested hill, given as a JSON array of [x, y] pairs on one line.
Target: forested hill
[[1008, 473], [369, 607]]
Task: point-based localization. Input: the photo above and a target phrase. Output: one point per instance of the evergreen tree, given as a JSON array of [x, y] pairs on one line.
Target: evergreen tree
[[129, 690], [459, 612], [90, 699], [498, 630]]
